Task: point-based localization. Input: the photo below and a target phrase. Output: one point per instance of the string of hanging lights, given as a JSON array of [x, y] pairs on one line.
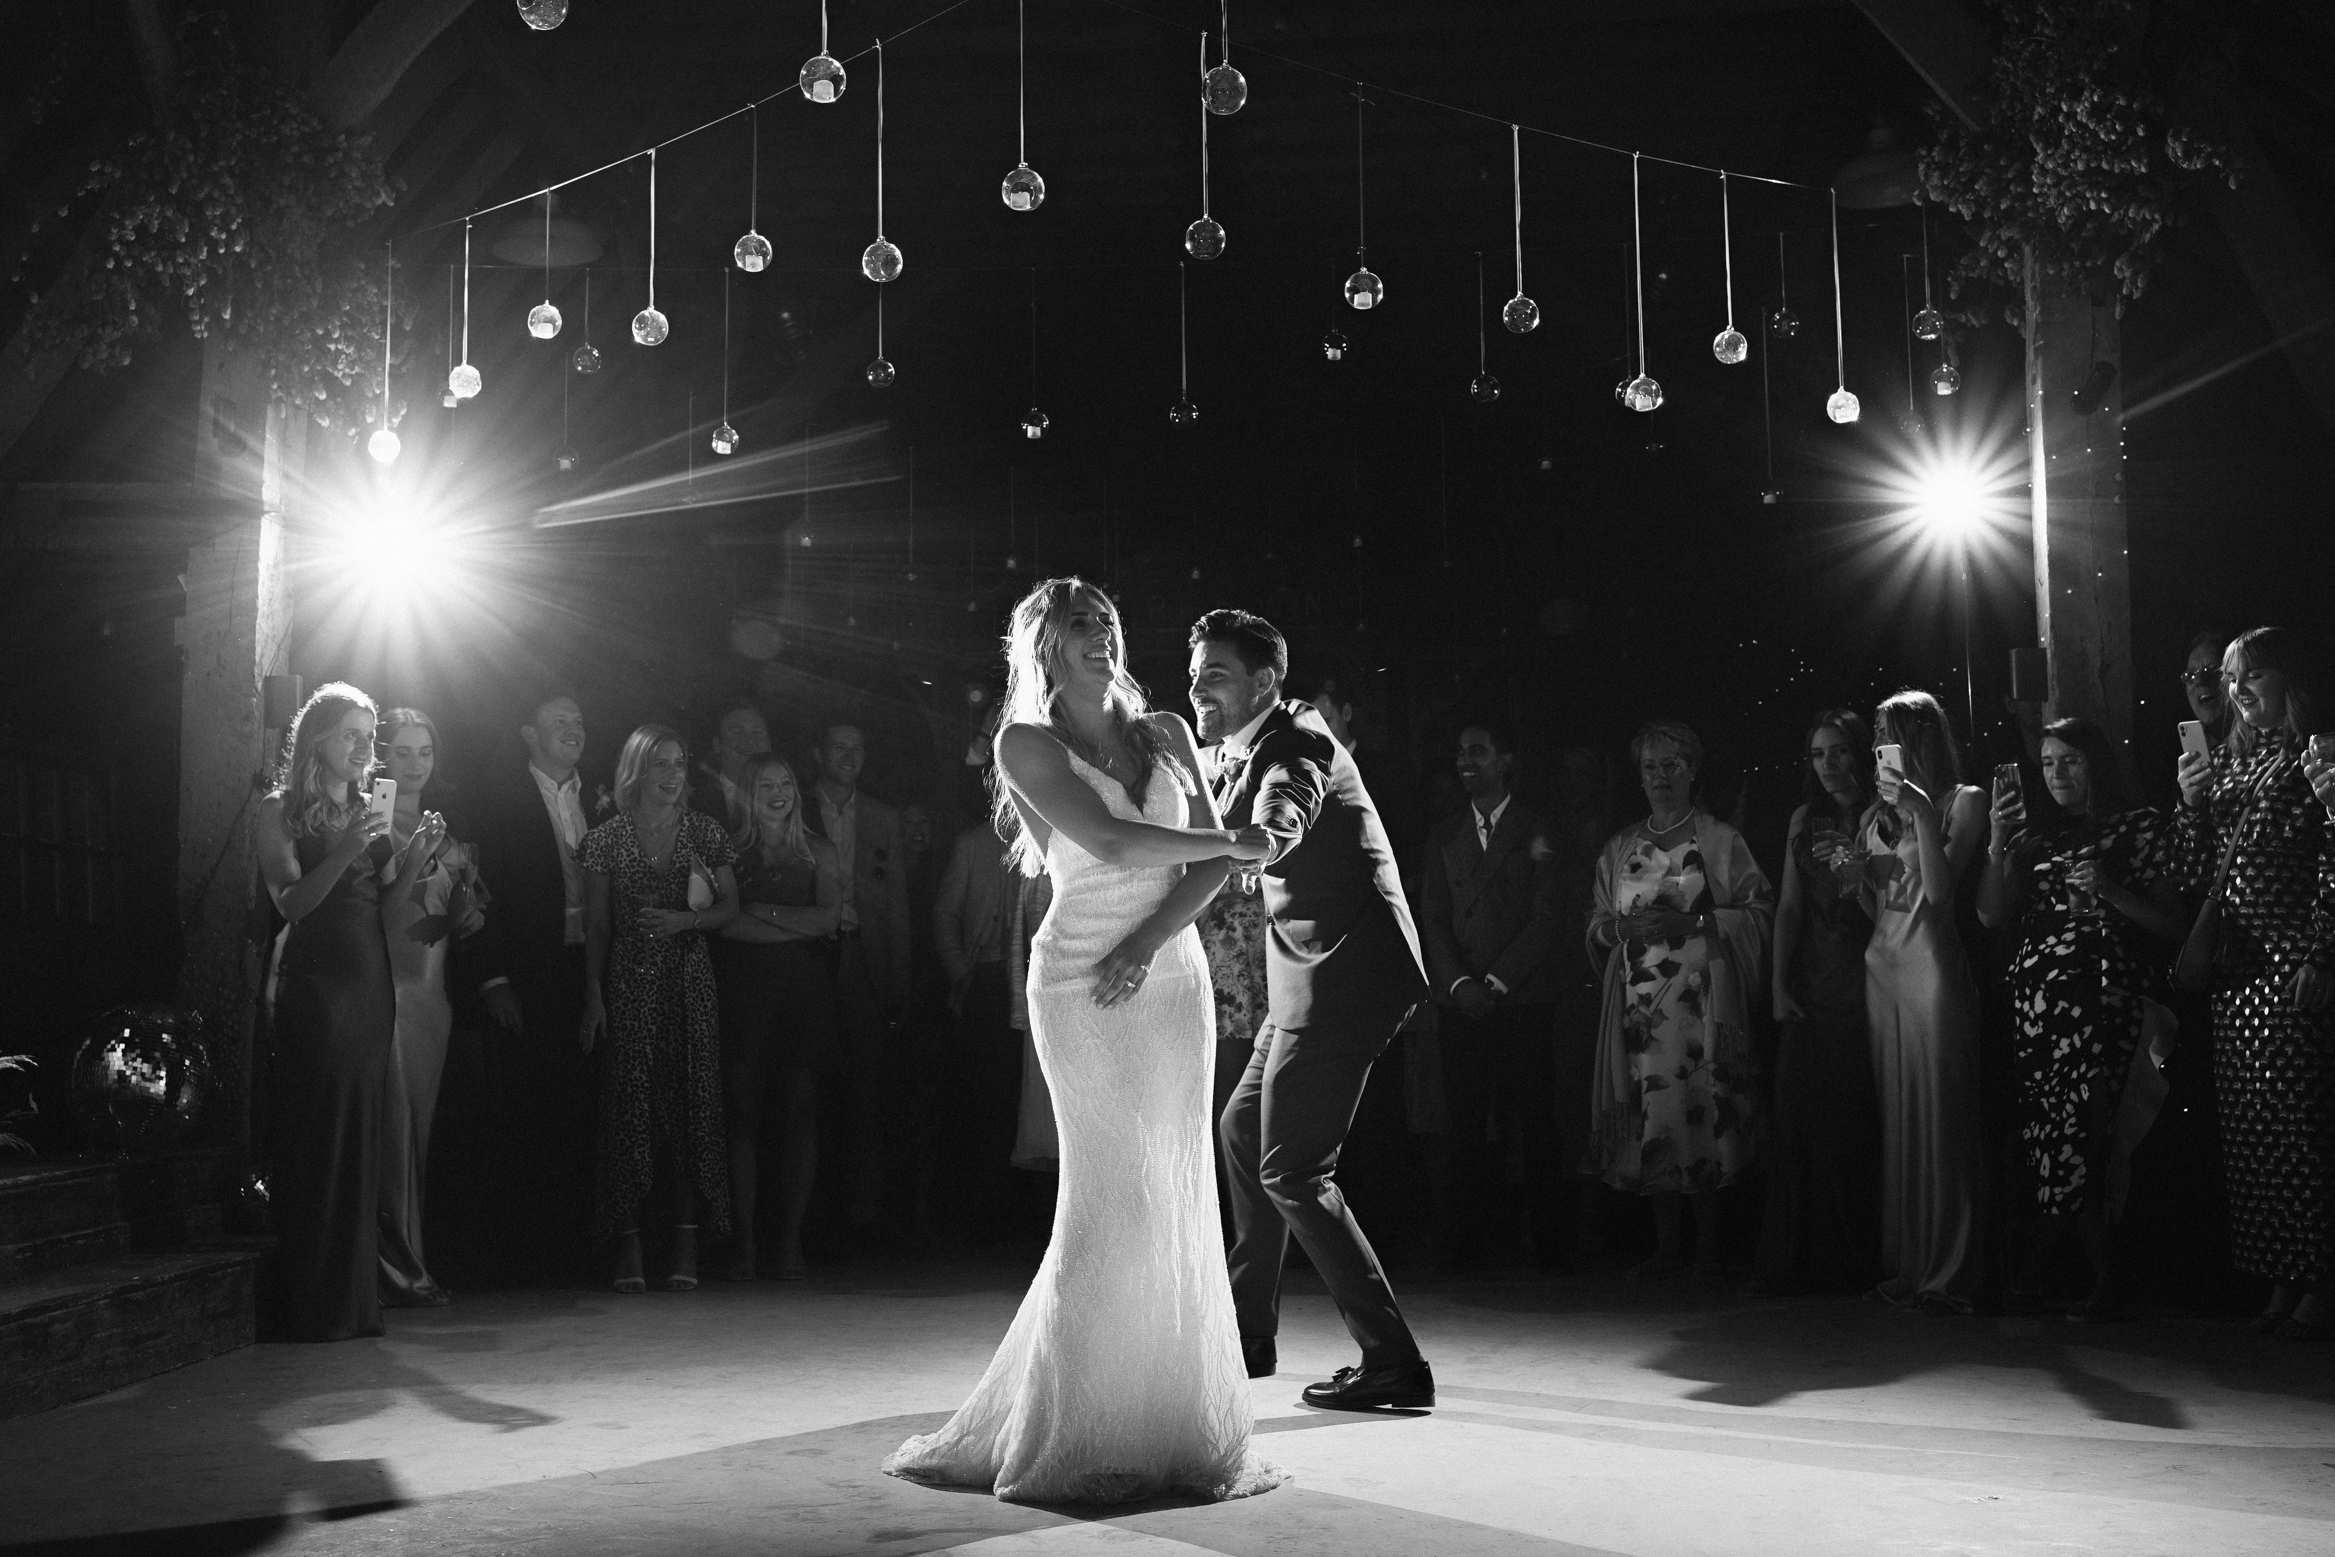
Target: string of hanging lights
[[650, 326], [821, 78], [543, 319], [1204, 239], [1363, 288], [1483, 389], [882, 260], [587, 356], [1842, 406], [1640, 393], [1520, 314], [1035, 424], [725, 437], [1023, 189], [751, 253], [1183, 413], [1223, 89], [1728, 345], [464, 381], [881, 373]]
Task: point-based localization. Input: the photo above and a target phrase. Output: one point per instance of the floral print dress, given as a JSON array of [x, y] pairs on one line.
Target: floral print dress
[[1693, 1101], [661, 1070], [2079, 983]]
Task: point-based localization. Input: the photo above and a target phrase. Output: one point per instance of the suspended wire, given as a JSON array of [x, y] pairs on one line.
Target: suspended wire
[[754, 186], [1638, 264], [1480, 362], [1516, 181], [1361, 186], [877, 46], [1840, 353], [466, 275], [1204, 118], [1727, 247], [879, 140], [1183, 336], [1021, 57], [652, 235]]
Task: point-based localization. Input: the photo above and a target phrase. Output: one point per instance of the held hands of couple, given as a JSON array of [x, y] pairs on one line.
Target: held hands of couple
[[1251, 845]]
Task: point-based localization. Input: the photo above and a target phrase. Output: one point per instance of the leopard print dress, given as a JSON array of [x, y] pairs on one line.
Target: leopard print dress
[[661, 1068]]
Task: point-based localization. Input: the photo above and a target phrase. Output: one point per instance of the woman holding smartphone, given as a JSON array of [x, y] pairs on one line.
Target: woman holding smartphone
[[2274, 1047], [324, 853], [1922, 833], [2091, 894], [1818, 1230]]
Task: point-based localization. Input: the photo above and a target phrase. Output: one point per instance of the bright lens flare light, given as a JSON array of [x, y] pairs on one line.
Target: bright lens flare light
[[389, 548], [1954, 499]]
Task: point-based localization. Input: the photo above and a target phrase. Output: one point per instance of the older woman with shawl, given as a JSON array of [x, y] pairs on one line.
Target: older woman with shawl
[[1680, 924]]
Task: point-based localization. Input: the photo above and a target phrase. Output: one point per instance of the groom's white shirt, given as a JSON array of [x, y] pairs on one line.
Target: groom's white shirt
[[1236, 745]]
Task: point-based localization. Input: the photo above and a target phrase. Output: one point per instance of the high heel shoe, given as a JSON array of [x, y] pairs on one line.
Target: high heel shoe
[[684, 1276], [629, 1279]]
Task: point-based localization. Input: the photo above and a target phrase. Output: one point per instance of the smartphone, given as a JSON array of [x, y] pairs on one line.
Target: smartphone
[[2007, 777], [1890, 755], [2193, 738], [384, 799]]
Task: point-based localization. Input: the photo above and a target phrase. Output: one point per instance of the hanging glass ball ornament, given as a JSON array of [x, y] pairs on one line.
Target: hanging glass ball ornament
[[449, 399], [1483, 389], [881, 373], [1334, 346], [1364, 290], [1945, 379], [1928, 325], [1783, 322], [1842, 407], [543, 320], [383, 446], [725, 439], [464, 382], [822, 78], [1521, 314], [565, 459], [1035, 424], [1642, 393], [1013, 564], [1024, 190], [1224, 90], [882, 261], [752, 253], [1204, 239], [1621, 392], [543, 15], [1729, 346], [1911, 425], [587, 358], [650, 326], [1183, 413]]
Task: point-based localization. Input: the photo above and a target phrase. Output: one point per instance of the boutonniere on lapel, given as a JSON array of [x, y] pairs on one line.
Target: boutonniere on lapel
[[603, 802], [1231, 770]]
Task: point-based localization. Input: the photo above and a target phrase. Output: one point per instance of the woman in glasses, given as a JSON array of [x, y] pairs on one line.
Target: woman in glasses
[[2273, 1039], [2202, 689], [1679, 924]]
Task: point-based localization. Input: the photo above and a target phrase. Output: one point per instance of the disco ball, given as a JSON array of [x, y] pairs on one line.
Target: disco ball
[[141, 1079]]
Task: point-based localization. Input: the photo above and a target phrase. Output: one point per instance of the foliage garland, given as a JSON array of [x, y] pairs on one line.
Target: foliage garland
[[2075, 162], [238, 211]]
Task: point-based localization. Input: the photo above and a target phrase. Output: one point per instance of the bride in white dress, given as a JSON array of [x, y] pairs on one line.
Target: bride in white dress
[[1121, 1377]]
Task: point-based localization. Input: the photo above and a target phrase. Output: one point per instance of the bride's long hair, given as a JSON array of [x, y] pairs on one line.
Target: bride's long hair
[[1033, 682]]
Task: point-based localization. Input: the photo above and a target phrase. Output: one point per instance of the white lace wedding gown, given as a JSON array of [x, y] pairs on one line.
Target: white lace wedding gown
[[1121, 1377]]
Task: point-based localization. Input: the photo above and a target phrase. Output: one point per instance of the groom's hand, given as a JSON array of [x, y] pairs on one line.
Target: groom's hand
[[1251, 845]]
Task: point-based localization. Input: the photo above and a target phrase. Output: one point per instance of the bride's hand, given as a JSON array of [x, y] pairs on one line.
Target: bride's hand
[[1251, 845], [1119, 975]]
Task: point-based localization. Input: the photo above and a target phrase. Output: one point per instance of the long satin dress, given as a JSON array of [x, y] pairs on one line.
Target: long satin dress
[[1924, 1014], [334, 1023], [416, 919]]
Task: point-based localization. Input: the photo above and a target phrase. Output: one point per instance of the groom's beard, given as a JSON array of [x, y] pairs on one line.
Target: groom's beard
[[1211, 717]]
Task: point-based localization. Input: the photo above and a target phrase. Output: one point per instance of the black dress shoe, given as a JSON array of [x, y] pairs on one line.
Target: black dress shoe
[[1407, 1385], [1259, 1353]]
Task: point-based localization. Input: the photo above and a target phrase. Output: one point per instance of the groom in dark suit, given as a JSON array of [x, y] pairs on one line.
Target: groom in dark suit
[[1342, 971]]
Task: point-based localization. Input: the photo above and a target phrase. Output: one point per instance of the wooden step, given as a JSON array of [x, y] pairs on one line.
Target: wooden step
[[68, 1334], [58, 1212]]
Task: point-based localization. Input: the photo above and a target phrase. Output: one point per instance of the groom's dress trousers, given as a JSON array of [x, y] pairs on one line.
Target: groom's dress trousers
[[1342, 971]]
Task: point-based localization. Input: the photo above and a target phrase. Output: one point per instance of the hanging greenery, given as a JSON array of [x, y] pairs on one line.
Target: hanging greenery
[[2075, 163], [237, 213]]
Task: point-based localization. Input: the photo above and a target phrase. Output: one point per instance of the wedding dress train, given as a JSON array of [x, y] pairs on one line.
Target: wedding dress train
[[1121, 1377]]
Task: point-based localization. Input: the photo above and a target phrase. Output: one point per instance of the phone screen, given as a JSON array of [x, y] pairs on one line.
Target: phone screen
[[2006, 778]]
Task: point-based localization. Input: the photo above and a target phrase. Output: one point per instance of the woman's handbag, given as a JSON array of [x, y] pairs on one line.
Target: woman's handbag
[[2207, 950]]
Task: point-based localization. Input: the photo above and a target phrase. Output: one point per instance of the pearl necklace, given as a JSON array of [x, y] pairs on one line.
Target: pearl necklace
[[1673, 827]]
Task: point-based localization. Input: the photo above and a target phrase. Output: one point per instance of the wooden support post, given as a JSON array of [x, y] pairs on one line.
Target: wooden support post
[[236, 632], [2083, 591]]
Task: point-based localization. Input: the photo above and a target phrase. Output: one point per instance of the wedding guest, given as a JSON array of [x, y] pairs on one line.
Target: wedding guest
[[2090, 893], [1824, 1143], [1920, 835], [658, 877], [528, 966], [872, 969], [323, 852], [741, 735], [1680, 925], [2256, 837], [979, 1069], [1488, 925], [423, 915], [775, 967], [2202, 689]]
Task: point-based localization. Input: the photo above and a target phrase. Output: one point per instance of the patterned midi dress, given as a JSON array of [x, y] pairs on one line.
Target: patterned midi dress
[[2079, 981], [661, 1071], [2274, 1066]]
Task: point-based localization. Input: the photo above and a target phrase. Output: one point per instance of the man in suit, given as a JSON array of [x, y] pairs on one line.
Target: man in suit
[[1342, 971], [528, 965], [872, 960], [1489, 919]]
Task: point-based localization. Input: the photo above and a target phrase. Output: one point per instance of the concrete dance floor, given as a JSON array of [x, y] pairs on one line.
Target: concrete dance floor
[[1579, 1416]]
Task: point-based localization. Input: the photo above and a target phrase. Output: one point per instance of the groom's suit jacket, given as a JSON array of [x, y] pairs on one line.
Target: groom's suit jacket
[[1342, 944]]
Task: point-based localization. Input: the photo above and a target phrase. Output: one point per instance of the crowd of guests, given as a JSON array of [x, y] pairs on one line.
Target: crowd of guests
[[685, 977]]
